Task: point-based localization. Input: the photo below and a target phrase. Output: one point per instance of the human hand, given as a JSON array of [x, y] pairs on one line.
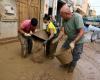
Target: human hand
[[45, 42], [26, 34], [31, 33], [36, 30], [72, 45]]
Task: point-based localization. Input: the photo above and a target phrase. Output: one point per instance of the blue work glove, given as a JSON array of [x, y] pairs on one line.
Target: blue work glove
[[45, 42]]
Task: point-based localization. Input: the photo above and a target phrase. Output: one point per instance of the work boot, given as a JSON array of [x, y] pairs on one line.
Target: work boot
[[50, 56], [65, 66], [71, 67], [29, 51]]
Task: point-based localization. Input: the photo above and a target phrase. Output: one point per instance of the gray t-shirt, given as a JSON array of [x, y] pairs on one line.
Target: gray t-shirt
[[71, 27]]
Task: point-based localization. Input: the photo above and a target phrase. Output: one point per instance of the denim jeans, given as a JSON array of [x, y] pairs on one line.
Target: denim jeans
[[77, 51]]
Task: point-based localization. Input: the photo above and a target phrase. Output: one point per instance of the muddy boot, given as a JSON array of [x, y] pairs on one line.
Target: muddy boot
[[71, 67], [49, 56], [29, 51], [65, 66]]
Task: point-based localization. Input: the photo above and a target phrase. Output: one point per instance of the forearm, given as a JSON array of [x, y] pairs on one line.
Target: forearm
[[61, 33], [79, 36], [51, 36], [59, 36], [21, 31]]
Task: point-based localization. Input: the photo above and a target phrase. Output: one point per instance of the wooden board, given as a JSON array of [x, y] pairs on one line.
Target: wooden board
[[41, 34]]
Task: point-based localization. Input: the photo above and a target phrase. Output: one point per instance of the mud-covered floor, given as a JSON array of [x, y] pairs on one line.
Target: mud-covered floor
[[14, 67]]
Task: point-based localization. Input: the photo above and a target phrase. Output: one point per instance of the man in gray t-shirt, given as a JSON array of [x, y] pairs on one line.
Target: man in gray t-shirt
[[73, 28]]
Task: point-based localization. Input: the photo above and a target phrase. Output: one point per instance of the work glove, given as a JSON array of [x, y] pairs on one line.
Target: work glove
[[26, 34], [45, 42], [72, 45]]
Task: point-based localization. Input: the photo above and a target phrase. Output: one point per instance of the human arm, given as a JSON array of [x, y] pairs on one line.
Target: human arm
[[59, 36], [79, 29], [50, 37], [51, 34], [61, 33], [79, 35], [20, 30]]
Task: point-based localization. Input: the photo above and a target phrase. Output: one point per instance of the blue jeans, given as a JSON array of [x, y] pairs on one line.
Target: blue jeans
[[77, 51]]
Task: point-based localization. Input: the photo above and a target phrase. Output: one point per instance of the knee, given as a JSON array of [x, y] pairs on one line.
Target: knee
[[76, 57]]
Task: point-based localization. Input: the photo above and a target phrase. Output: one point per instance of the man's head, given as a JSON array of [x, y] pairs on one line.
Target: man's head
[[34, 23], [65, 12]]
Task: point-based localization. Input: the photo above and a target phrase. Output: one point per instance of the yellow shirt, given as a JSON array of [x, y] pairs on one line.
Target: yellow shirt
[[51, 26]]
